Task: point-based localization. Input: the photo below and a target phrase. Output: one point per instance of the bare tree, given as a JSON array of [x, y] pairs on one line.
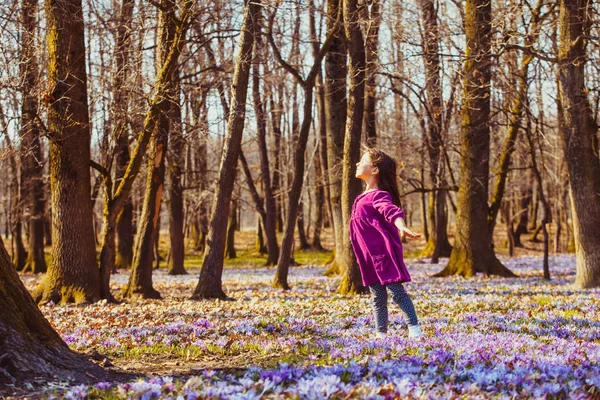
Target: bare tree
[[307, 84], [210, 283]]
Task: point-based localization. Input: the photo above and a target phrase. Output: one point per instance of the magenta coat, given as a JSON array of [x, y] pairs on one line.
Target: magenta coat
[[376, 240]]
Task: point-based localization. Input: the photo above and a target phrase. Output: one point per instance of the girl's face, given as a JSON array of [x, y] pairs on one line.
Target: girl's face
[[365, 168]]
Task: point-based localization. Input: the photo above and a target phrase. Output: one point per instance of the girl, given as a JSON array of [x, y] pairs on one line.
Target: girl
[[376, 220]]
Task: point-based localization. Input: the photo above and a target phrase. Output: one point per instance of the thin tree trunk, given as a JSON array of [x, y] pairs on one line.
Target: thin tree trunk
[[322, 197], [159, 107], [437, 241], [335, 111], [286, 251], [371, 63], [230, 253], [270, 217], [210, 282], [140, 280], [276, 113], [32, 181], [175, 265], [124, 229], [514, 123]]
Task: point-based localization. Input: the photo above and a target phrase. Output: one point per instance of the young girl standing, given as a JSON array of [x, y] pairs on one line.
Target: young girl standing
[[376, 229]]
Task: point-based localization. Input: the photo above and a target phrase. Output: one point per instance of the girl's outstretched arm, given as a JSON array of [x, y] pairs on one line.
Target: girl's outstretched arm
[[382, 201]]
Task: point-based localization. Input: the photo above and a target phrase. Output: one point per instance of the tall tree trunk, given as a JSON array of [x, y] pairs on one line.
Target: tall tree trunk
[[32, 180], [515, 117], [372, 61], [322, 188], [269, 222], [30, 348], [351, 277], [335, 111], [210, 281], [307, 84], [175, 266], [276, 114], [472, 251], [15, 195], [578, 131], [547, 215], [140, 280], [437, 243], [124, 230], [159, 107], [73, 273]]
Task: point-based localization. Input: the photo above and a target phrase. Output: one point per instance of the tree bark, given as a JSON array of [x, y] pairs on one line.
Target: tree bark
[[307, 84], [32, 180], [351, 277], [73, 273], [472, 251], [371, 63], [30, 348], [230, 253], [437, 242], [210, 281], [578, 132], [159, 107], [269, 221], [124, 230], [515, 117], [171, 38], [335, 112], [175, 266]]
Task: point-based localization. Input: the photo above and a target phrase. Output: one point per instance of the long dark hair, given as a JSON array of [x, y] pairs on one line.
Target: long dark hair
[[388, 180]]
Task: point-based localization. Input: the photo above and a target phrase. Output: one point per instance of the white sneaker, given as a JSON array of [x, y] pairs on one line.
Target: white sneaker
[[414, 331], [381, 335]]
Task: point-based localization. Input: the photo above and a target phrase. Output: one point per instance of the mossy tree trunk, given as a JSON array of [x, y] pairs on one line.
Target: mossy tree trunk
[[32, 180], [335, 120], [30, 348], [578, 132], [351, 278], [210, 281], [73, 273], [472, 250]]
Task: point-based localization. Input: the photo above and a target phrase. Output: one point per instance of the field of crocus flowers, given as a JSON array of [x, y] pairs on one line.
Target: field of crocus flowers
[[484, 338]]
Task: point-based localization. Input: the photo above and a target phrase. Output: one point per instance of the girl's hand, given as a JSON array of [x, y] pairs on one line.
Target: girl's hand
[[405, 232]]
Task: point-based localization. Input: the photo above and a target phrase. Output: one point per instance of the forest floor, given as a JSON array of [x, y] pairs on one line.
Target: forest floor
[[484, 337]]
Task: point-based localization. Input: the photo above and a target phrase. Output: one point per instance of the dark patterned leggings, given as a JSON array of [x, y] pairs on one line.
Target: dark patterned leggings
[[399, 296]]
